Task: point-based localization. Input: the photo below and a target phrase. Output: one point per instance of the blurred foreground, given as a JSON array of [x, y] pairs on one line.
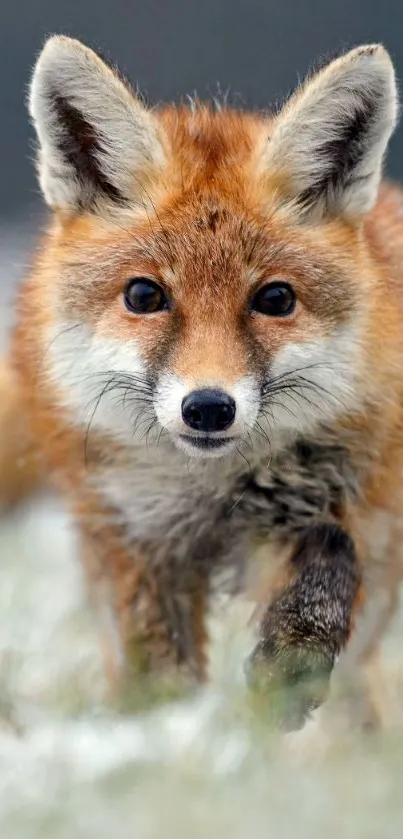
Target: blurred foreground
[[204, 767]]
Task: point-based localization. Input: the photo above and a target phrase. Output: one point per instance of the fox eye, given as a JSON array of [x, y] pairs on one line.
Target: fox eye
[[275, 299], [143, 296]]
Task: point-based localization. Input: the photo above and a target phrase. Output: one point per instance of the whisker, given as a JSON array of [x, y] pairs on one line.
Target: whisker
[[129, 390], [46, 350], [323, 389], [148, 430], [162, 431], [298, 388], [87, 433], [144, 420], [245, 459], [288, 374]]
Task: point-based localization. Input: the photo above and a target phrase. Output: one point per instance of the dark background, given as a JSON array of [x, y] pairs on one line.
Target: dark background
[[257, 48]]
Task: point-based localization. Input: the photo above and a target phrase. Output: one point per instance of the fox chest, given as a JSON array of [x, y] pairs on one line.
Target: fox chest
[[215, 517]]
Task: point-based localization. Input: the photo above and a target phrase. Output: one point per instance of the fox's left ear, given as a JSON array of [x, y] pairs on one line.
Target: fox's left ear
[[328, 143], [98, 145]]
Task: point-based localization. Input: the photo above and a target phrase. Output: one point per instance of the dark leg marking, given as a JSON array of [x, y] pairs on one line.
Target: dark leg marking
[[308, 624]]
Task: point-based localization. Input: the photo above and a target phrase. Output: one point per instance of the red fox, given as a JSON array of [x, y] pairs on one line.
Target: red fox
[[209, 357]]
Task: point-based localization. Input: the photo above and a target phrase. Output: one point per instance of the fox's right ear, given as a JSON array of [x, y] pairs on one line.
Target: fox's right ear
[[327, 146], [98, 143]]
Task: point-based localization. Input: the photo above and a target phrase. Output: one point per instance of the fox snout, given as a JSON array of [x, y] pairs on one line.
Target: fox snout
[[209, 417]]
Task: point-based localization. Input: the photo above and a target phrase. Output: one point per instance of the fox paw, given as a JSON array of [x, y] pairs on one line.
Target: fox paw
[[295, 679]]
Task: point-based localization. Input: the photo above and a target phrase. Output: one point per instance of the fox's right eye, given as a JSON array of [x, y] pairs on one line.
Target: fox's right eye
[[143, 297]]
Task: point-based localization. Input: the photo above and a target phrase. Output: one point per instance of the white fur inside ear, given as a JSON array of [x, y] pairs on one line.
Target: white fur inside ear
[[329, 141], [96, 139]]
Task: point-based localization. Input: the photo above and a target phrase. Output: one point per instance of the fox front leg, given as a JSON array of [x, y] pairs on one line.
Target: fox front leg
[[151, 615], [309, 621]]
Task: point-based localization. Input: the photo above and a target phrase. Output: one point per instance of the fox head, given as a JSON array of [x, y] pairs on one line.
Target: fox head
[[206, 279]]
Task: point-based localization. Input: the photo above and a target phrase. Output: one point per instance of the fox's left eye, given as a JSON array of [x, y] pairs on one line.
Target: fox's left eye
[[143, 296], [275, 299]]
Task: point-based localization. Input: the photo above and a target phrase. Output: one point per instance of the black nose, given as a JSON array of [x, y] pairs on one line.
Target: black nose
[[208, 410]]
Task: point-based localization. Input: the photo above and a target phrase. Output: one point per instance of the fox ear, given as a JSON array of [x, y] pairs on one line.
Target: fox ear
[[328, 143], [97, 141]]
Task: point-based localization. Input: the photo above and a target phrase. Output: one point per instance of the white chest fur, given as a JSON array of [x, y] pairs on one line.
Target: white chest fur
[[162, 493]]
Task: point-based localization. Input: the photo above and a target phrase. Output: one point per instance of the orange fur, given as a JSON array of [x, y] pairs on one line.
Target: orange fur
[[20, 472]]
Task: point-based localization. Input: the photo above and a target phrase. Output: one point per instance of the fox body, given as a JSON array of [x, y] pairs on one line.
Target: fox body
[[209, 354]]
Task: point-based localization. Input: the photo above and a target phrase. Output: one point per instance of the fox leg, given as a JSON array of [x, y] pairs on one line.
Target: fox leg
[[151, 615], [309, 620]]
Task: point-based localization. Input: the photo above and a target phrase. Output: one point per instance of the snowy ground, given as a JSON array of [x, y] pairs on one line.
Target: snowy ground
[[204, 767]]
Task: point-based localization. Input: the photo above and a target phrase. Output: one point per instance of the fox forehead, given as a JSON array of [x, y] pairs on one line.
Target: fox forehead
[[205, 247], [212, 146]]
